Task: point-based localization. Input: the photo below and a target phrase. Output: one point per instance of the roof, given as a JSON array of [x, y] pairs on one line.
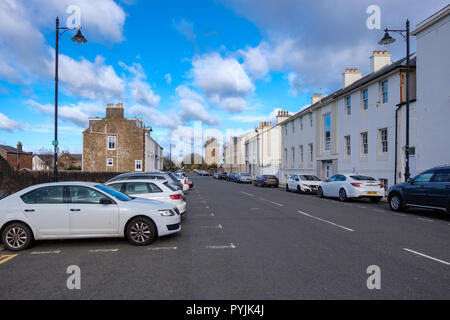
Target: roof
[[360, 83], [431, 20], [10, 149]]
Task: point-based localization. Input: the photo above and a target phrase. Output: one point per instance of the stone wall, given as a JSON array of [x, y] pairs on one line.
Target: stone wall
[[12, 180]]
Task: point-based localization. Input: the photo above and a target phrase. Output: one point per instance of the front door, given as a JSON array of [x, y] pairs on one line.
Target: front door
[[417, 191], [439, 189], [88, 216], [328, 169]]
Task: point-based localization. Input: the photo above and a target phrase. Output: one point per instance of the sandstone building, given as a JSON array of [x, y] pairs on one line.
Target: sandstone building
[[119, 144]]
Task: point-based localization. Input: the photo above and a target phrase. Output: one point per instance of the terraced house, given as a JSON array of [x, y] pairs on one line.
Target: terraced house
[[119, 144]]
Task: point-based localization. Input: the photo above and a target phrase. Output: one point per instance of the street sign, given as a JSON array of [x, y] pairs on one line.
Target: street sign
[[55, 142]]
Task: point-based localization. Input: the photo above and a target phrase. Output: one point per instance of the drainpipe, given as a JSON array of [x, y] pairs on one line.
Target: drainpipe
[[396, 142]]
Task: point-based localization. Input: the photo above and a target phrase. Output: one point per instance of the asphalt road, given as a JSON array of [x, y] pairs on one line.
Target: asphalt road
[[245, 242]]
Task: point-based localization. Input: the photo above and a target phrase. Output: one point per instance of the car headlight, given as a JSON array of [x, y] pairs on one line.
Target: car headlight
[[166, 212]]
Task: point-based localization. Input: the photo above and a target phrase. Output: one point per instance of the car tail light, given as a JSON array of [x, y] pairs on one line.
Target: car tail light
[[175, 196], [356, 184], [381, 186], [185, 182], [265, 179]]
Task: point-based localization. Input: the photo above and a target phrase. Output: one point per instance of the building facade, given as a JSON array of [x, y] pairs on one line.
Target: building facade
[[16, 157], [212, 151], [43, 162], [119, 144]]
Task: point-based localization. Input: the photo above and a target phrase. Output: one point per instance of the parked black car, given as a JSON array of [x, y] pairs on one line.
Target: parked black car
[[231, 177], [222, 175], [266, 180], [430, 189]]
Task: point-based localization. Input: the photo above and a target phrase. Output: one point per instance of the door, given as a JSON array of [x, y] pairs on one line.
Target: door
[[88, 216], [47, 211], [328, 169], [336, 185], [417, 191], [327, 186], [439, 189]]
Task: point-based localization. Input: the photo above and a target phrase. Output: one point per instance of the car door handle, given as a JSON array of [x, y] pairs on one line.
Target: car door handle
[[75, 209], [29, 210]]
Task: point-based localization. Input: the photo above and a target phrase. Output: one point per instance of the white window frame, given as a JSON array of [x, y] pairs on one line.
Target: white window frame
[[348, 104], [384, 144], [385, 94], [326, 141], [347, 145], [301, 153], [301, 123], [365, 101], [293, 157], [311, 153], [108, 163], [114, 138], [136, 162], [364, 145]]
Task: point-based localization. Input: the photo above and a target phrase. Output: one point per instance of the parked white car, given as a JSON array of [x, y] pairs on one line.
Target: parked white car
[[303, 183], [346, 186], [159, 190], [69, 210]]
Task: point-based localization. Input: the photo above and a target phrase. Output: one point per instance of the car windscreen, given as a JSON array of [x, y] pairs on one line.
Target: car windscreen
[[362, 178], [244, 174], [170, 186], [309, 178], [116, 194], [270, 177]]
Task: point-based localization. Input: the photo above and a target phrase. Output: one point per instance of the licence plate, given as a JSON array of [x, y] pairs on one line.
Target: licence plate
[[371, 192], [271, 180]]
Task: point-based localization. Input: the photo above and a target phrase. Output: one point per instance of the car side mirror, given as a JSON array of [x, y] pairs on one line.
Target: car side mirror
[[410, 181], [105, 201]]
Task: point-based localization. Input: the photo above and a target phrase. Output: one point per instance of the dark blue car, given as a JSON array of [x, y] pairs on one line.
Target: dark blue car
[[430, 189]]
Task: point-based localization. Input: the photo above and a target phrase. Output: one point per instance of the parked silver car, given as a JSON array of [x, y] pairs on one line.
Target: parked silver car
[[243, 177]]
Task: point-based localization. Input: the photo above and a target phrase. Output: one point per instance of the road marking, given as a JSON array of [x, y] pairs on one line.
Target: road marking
[[213, 227], [362, 207], [230, 246], [334, 224], [46, 252], [428, 220], [6, 257], [377, 210], [162, 248], [249, 194], [427, 256], [399, 214], [104, 250], [278, 204]]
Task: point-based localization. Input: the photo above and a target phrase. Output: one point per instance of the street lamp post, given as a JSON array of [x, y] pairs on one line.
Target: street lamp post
[[78, 38], [387, 39]]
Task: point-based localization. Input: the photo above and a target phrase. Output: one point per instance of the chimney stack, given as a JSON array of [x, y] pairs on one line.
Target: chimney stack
[[114, 112], [350, 76], [379, 59], [19, 147], [282, 115], [316, 97]]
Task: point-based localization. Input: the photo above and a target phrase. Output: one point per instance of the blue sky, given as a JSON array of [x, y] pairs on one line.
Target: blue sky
[[229, 64]]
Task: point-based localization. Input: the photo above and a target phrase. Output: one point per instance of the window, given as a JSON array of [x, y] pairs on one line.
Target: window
[[301, 153], [310, 153], [348, 103], [293, 126], [116, 186], [383, 140], [285, 130], [111, 142], [364, 143], [154, 188], [348, 146], [293, 157], [137, 165], [384, 91], [311, 119], [441, 175], [424, 177], [136, 188], [85, 195], [285, 156], [365, 99], [301, 123], [109, 162], [44, 195], [326, 133]]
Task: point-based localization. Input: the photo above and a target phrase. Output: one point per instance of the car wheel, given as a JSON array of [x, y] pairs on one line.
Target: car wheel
[[141, 231], [17, 236], [396, 202], [299, 189], [320, 192], [375, 200], [343, 195]]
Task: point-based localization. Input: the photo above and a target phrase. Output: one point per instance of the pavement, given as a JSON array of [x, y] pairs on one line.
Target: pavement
[[246, 242]]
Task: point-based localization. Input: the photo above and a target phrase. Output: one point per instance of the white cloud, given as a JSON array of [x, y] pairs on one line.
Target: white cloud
[[186, 28], [155, 117], [223, 80], [141, 91], [193, 106], [168, 78], [8, 124]]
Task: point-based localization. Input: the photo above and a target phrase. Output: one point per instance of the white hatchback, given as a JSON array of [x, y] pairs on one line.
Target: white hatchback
[[346, 186], [160, 190], [70, 210], [303, 183]]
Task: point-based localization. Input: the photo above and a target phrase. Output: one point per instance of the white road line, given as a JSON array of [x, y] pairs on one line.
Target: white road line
[[377, 210], [46, 252], [104, 250], [362, 207], [278, 204], [162, 248], [428, 220], [334, 224], [249, 194], [427, 256], [212, 227], [230, 246], [399, 214]]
